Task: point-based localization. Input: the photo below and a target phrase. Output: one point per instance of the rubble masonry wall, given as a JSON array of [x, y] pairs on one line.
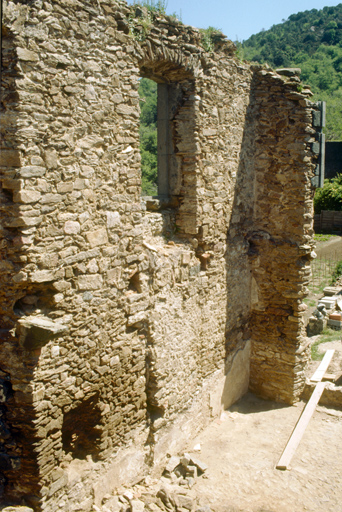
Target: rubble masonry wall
[[125, 330]]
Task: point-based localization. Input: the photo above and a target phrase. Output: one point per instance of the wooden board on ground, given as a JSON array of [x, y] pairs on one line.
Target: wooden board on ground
[[331, 377], [319, 373], [299, 429]]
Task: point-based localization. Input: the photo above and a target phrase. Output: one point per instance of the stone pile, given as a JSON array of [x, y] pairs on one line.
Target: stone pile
[[328, 311], [173, 492]]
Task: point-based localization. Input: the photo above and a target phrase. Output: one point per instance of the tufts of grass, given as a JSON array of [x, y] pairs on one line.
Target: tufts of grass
[[320, 237], [158, 7], [208, 37], [318, 289], [326, 336], [309, 302]]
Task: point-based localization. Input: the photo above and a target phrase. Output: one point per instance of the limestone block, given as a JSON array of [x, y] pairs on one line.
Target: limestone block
[[93, 282], [80, 184], [87, 171], [26, 196], [50, 157], [32, 171], [126, 110], [62, 188], [72, 227], [42, 276], [17, 509], [35, 332], [20, 277], [27, 55], [113, 219], [98, 237], [125, 469], [51, 198]]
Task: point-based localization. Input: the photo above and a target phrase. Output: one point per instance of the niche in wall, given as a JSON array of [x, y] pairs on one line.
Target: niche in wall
[[81, 429]]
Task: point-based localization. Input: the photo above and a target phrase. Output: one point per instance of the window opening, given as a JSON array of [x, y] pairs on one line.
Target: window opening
[[160, 167], [148, 137]]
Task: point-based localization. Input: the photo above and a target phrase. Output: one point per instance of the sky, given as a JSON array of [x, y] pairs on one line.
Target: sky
[[239, 19]]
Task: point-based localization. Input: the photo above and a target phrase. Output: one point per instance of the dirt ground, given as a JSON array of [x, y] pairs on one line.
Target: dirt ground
[[243, 448], [332, 246], [335, 366]]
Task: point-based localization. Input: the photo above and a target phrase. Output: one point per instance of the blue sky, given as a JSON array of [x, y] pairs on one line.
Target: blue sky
[[239, 19]]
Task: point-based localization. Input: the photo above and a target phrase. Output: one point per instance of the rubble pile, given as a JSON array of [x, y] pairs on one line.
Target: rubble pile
[[328, 312], [173, 492]]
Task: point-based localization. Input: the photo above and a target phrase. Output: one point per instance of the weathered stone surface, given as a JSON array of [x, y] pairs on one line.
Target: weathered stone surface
[[35, 332], [72, 227], [98, 237], [93, 282], [27, 196], [24, 54]]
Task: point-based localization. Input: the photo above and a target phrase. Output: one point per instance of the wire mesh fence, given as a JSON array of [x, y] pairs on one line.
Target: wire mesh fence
[[322, 268]]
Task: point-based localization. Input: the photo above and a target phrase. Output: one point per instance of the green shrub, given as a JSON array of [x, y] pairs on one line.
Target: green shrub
[[330, 196], [337, 272]]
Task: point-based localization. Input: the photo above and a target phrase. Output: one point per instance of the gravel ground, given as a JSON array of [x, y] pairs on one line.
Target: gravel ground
[[243, 448]]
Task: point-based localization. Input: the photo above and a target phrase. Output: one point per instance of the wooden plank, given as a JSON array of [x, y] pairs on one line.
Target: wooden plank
[[331, 377], [319, 373], [299, 429]]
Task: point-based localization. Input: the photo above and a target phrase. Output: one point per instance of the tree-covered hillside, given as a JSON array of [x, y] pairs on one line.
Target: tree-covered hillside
[[311, 40]]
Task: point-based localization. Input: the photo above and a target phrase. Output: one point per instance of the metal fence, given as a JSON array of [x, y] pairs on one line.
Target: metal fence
[[323, 267]]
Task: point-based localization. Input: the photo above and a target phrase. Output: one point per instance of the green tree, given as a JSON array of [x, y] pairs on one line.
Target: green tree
[[148, 136], [311, 40]]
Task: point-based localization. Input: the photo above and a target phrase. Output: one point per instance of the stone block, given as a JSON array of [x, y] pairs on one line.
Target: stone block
[[26, 196], [71, 227], [51, 198], [18, 508], [113, 219], [35, 332], [93, 282], [42, 276], [63, 187], [51, 158], [335, 324], [125, 469], [97, 237], [32, 171], [27, 55]]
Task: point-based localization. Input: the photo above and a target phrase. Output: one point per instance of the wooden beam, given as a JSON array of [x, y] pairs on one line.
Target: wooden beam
[[319, 373], [299, 429]]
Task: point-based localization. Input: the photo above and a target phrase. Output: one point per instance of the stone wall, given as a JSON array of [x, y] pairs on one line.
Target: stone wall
[[127, 324], [281, 240]]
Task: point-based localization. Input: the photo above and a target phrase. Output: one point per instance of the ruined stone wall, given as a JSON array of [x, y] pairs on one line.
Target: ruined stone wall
[[281, 239], [124, 330]]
